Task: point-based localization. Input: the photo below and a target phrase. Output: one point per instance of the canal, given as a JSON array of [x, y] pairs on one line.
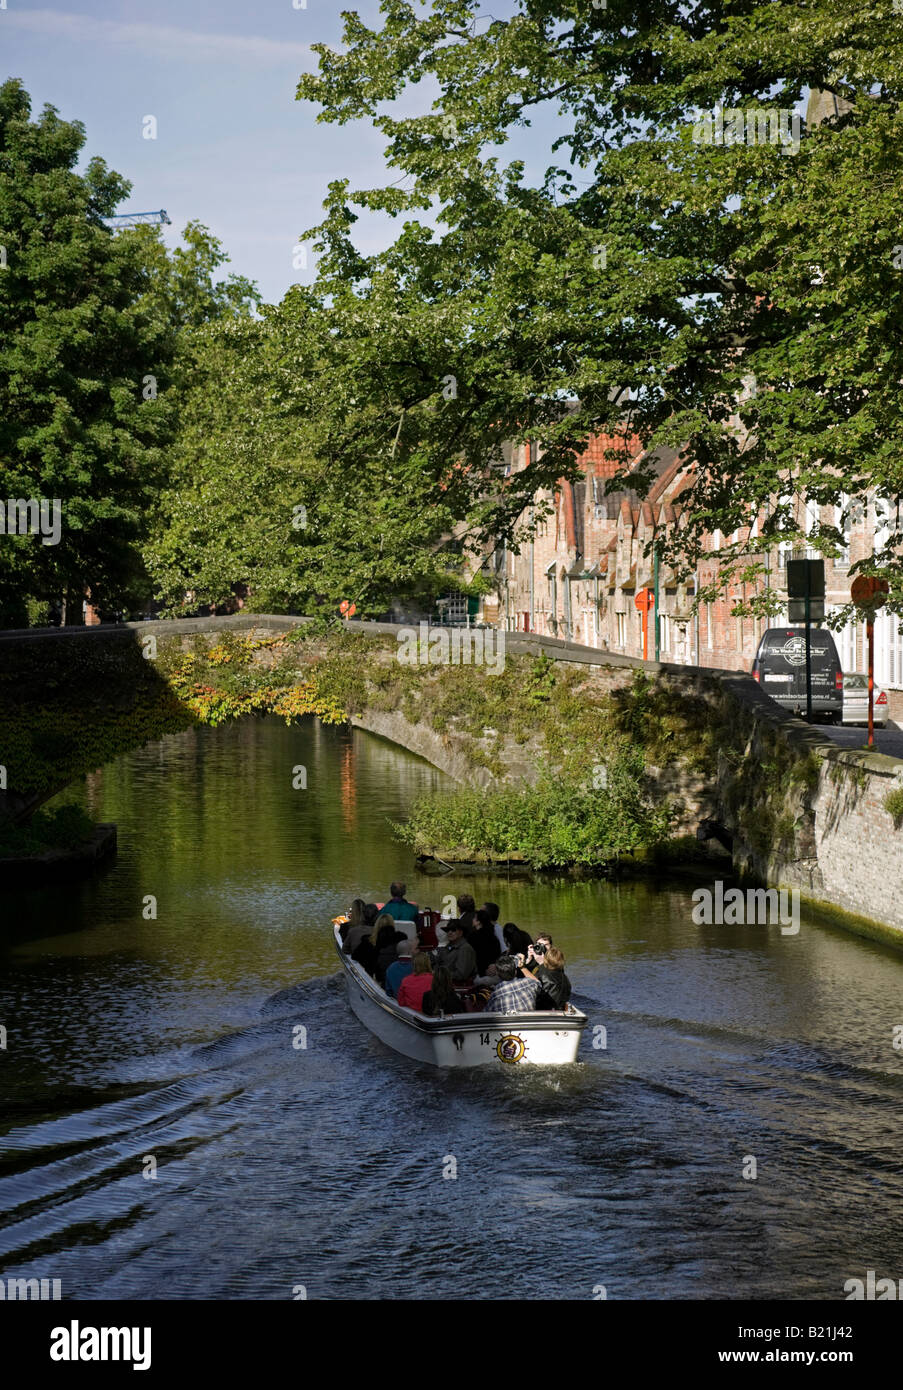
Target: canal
[[161, 1136]]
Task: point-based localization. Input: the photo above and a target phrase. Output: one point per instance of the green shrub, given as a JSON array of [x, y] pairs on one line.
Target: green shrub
[[893, 805], [555, 824], [65, 828]]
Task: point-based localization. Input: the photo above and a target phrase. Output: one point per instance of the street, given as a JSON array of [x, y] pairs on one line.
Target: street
[[889, 740]]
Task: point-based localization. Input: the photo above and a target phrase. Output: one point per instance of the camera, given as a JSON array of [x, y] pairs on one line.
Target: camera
[[540, 949]]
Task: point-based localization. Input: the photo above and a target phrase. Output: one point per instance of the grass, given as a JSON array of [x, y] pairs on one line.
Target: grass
[[893, 805]]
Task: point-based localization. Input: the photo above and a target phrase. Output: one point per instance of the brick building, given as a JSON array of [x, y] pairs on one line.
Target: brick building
[[578, 576]]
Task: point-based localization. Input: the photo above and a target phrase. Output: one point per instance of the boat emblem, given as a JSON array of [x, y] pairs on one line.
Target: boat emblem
[[458, 1040], [510, 1048]]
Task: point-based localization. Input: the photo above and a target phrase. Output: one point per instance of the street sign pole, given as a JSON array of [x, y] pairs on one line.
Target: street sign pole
[[806, 600], [643, 602], [870, 635], [869, 594], [808, 652]]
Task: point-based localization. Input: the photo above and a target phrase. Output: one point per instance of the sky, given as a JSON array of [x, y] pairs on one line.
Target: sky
[[234, 149]]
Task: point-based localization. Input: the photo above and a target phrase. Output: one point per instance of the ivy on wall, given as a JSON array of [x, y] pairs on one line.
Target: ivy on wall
[[71, 704]]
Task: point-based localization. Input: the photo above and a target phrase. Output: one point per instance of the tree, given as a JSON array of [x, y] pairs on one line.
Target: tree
[[285, 477], [83, 372], [658, 273], [93, 340]]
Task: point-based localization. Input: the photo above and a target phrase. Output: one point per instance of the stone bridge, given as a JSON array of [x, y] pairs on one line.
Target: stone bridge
[[842, 847]]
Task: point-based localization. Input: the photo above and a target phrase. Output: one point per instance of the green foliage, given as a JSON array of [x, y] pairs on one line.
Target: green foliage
[[893, 805], [555, 824], [723, 261], [93, 345], [226, 681], [74, 349], [65, 828], [807, 772]]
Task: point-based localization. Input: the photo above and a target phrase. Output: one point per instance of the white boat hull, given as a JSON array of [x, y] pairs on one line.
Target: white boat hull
[[462, 1040]]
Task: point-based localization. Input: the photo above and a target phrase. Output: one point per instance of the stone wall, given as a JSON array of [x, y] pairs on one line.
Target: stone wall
[[801, 811]]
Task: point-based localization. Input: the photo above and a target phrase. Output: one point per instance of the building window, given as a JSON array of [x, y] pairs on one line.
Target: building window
[[843, 520], [622, 629], [811, 522], [709, 633], [786, 548], [888, 650], [664, 632], [846, 646]]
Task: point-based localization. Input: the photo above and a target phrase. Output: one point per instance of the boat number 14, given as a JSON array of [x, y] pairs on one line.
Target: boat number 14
[[484, 1039]]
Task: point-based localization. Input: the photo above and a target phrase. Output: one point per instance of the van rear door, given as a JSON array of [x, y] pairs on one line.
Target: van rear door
[[781, 663]]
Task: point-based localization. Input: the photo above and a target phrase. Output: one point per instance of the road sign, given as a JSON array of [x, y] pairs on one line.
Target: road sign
[[796, 610], [868, 592], [643, 601], [805, 579], [806, 593]]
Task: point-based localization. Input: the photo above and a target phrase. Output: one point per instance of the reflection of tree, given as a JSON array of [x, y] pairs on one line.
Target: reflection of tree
[[209, 804]]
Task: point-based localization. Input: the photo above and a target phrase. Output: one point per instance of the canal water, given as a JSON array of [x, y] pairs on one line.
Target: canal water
[[151, 1014]]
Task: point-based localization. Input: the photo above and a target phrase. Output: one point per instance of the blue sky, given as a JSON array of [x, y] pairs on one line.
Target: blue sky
[[234, 149]]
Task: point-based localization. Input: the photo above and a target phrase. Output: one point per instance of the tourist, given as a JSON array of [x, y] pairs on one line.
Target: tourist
[[387, 950], [368, 949], [362, 929], [441, 997], [494, 910], [512, 996], [482, 939], [355, 918], [398, 906], [548, 969], [458, 956], [466, 911], [539, 948], [399, 968], [414, 987], [517, 942]]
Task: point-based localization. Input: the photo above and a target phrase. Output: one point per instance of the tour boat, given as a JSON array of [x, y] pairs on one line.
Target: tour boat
[[462, 1040]]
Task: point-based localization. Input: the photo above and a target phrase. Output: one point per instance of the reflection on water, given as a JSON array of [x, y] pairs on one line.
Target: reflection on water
[[170, 1036]]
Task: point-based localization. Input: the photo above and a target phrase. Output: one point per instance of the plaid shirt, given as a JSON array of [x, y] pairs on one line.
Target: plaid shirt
[[513, 997]]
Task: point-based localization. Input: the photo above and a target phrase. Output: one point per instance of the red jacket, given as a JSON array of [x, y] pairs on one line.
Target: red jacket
[[412, 989]]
